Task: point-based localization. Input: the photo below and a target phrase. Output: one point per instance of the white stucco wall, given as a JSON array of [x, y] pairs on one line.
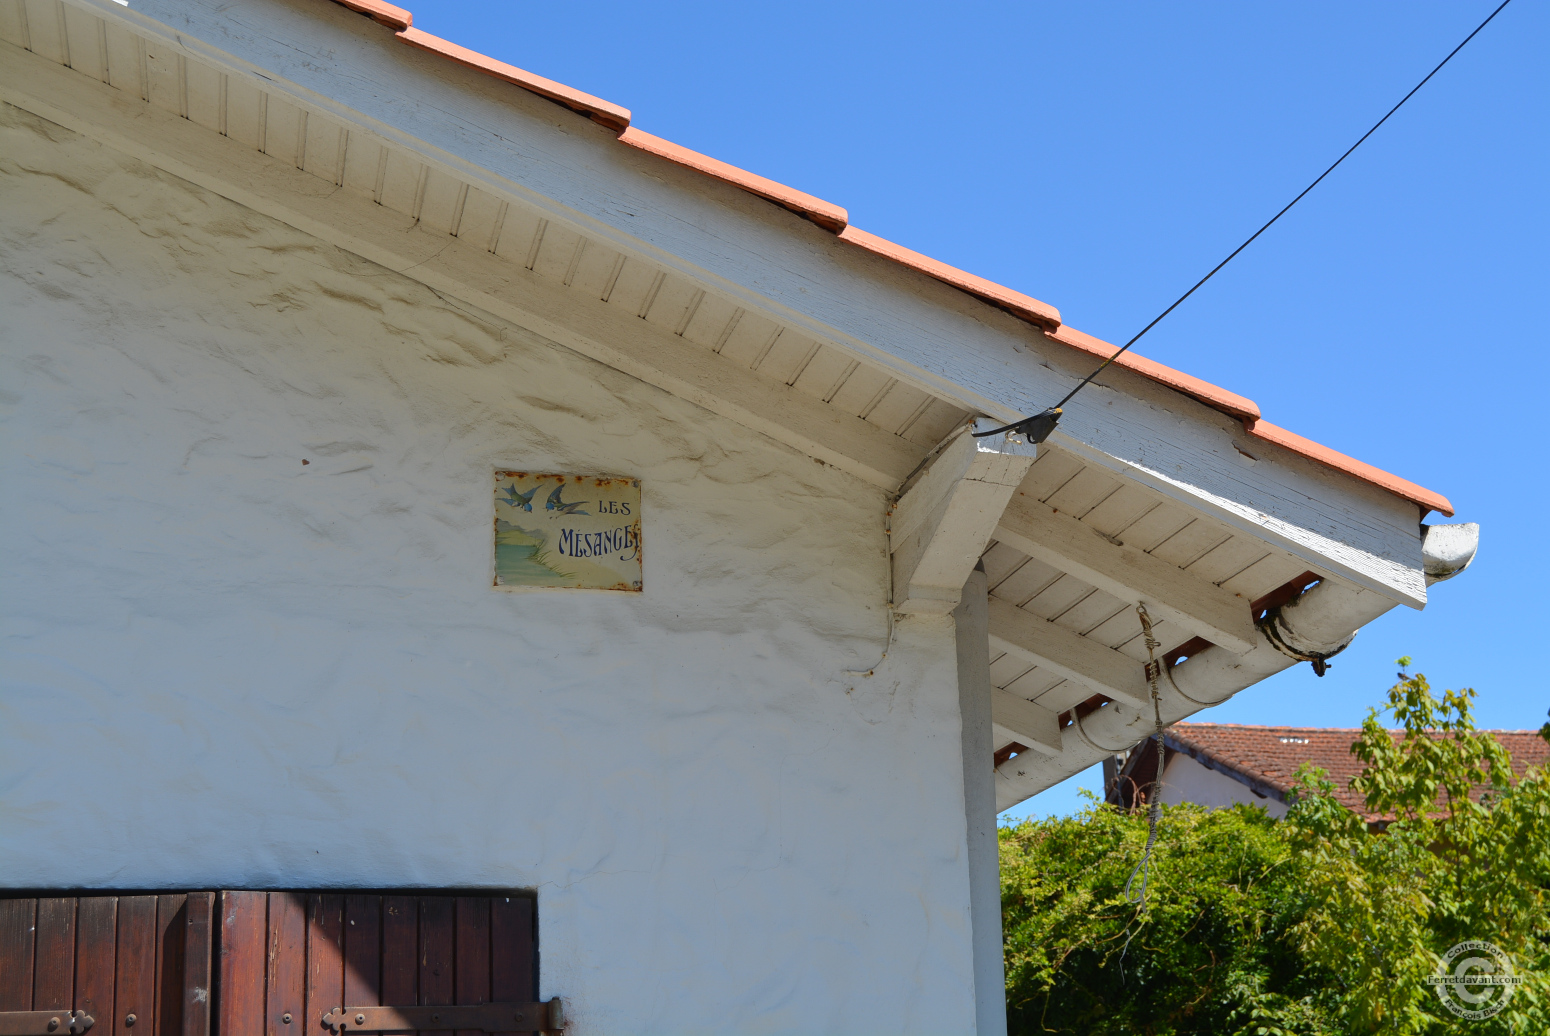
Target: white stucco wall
[[223, 668], [1185, 780]]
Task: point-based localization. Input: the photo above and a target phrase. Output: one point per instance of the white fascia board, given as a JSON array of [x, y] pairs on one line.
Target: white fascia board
[[929, 335]]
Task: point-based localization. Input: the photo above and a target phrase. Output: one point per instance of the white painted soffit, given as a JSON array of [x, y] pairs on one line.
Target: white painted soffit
[[348, 187], [514, 145]]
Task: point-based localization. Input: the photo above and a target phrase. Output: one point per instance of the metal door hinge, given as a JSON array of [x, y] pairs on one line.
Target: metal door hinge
[[542, 1017], [45, 1023]]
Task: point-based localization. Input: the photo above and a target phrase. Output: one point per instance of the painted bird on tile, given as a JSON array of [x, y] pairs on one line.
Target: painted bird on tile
[[522, 500], [554, 503]]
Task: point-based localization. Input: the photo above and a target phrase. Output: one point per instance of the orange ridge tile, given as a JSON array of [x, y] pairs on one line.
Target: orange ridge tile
[[1014, 302], [1425, 498], [825, 214], [1213, 396], [600, 111], [383, 14]]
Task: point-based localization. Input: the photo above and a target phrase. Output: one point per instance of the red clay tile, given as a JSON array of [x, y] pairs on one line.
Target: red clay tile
[[1014, 302], [825, 214], [599, 110], [385, 14], [1213, 396], [1425, 498]]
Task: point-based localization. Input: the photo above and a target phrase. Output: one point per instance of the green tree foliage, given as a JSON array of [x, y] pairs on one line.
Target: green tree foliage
[[1312, 925], [1451, 866]]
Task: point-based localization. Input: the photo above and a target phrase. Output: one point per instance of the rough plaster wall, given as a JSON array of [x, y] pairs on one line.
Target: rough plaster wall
[[1185, 780], [223, 668]]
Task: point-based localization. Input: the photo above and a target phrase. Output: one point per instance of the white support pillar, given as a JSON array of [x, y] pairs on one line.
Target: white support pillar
[[979, 802]]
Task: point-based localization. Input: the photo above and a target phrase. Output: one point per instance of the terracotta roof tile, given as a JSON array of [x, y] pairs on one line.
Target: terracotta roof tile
[[1425, 498], [1273, 754], [1212, 395], [385, 14], [1014, 302], [595, 108], [826, 214]]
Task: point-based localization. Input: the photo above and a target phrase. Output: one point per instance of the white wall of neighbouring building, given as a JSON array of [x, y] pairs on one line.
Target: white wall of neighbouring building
[[224, 668], [1185, 780]]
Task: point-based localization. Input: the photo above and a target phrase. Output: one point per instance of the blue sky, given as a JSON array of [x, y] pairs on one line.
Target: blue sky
[[1103, 156]]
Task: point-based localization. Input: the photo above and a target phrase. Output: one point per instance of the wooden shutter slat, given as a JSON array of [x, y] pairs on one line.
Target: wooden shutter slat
[[244, 927], [96, 939], [363, 950], [511, 950], [400, 950], [134, 986], [197, 934], [472, 972], [171, 942], [325, 960], [437, 949], [287, 965], [53, 984], [18, 921]]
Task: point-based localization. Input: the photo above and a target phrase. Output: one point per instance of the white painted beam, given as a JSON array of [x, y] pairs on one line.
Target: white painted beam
[[1132, 575], [1073, 656], [941, 524], [454, 268], [1034, 725]]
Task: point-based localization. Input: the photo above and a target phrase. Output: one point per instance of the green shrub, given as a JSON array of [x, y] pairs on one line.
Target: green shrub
[[1213, 944], [1316, 924]]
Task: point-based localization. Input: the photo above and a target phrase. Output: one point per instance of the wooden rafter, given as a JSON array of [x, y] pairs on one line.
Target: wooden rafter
[[1131, 575], [1034, 724], [1068, 654]]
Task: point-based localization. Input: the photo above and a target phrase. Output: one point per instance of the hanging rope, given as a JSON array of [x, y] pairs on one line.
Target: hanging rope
[[1154, 797]]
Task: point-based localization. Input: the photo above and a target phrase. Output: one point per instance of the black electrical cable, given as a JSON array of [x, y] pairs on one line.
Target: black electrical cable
[[1041, 424]]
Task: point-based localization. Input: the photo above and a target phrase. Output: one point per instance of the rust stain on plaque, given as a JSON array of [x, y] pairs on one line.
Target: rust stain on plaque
[[567, 532]]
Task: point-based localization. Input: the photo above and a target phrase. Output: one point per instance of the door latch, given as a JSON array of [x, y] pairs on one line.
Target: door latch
[[45, 1023]]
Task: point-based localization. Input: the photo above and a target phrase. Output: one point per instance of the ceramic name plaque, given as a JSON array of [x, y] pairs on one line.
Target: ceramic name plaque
[[569, 532]]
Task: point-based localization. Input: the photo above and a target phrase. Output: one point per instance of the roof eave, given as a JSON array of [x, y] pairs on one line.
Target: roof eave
[[835, 219]]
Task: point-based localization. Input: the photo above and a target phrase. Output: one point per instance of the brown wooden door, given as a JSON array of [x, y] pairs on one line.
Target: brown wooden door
[[288, 958], [139, 965]]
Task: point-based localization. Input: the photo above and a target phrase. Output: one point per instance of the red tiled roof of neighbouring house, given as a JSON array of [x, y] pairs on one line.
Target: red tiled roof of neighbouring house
[[835, 219], [1272, 755]]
